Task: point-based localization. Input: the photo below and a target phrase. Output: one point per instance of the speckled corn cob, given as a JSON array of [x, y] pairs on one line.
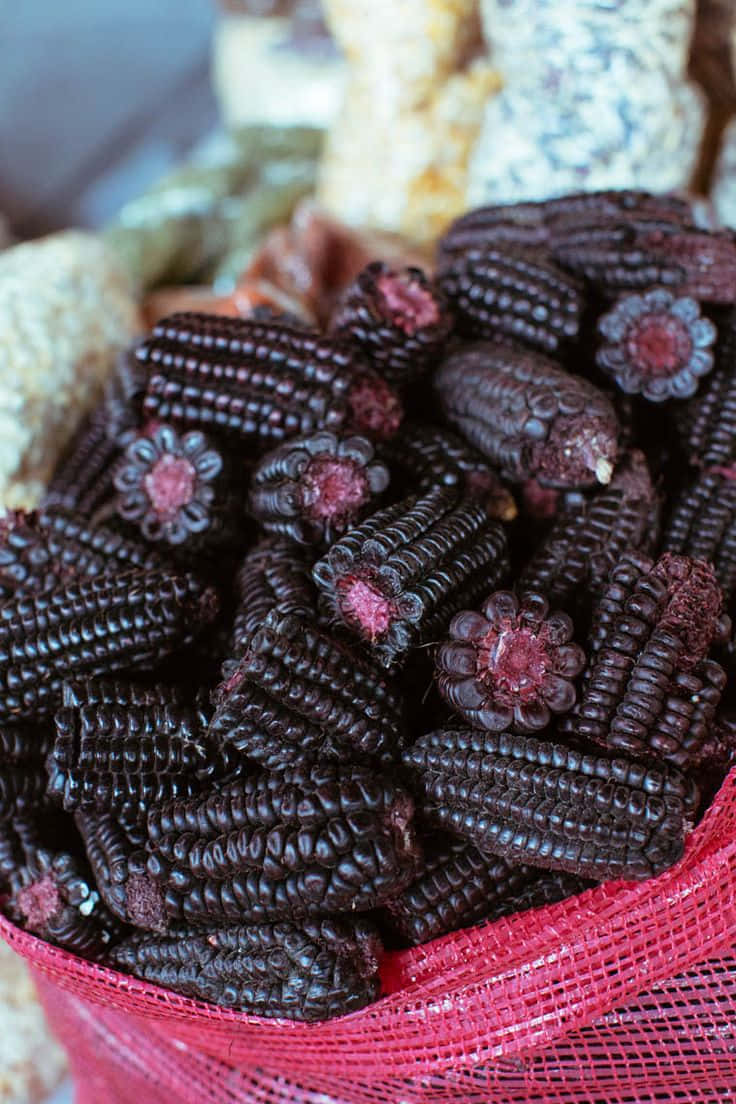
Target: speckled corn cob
[[571, 564], [53, 896], [303, 842], [707, 423], [310, 489], [396, 579], [397, 318], [311, 971], [617, 256], [297, 696], [119, 869], [650, 690], [703, 524], [536, 802], [65, 311], [262, 382], [425, 456], [274, 575], [90, 628], [496, 292], [456, 887], [529, 416], [41, 551]]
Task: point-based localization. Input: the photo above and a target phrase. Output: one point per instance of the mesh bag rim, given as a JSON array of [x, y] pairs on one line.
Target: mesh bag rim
[[498, 990]]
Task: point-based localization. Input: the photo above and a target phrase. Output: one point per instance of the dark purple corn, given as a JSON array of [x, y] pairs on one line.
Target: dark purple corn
[[529, 225], [637, 253], [275, 575], [53, 896], [650, 690], [397, 579], [423, 457], [91, 628], [544, 887], [496, 292], [121, 692], [311, 489], [397, 318], [40, 551], [457, 886], [315, 970], [119, 869], [23, 750], [261, 382], [529, 416], [707, 423], [18, 837], [297, 696], [172, 487], [703, 524], [571, 564], [124, 758], [511, 665], [656, 345], [536, 802], [305, 842]]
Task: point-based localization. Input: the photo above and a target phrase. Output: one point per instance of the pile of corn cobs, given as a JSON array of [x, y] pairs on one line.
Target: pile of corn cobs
[[287, 670]]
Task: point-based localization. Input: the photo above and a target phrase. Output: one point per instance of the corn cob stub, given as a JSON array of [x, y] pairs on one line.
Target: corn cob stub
[[510, 665]]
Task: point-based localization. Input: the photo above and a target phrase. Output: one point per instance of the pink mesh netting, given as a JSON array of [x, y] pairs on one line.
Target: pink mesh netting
[[542, 1005]]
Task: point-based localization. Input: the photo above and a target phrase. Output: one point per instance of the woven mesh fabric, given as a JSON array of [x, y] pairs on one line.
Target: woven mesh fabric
[[546, 1003]]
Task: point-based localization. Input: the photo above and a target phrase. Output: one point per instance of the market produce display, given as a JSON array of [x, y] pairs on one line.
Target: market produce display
[[325, 641]]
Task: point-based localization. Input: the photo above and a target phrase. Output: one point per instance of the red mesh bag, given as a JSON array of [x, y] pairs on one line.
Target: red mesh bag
[[625, 994]]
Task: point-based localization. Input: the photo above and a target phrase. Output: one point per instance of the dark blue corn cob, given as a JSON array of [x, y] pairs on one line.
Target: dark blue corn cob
[[650, 690], [423, 457], [703, 524], [397, 578], [311, 489], [304, 842], [119, 868], [497, 292], [529, 416], [263, 382], [398, 318], [90, 628], [572, 563], [298, 695], [40, 551], [537, 802], [456, 886], [314, 970]]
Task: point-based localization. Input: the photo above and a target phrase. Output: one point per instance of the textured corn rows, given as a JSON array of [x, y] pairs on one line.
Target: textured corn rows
[[457, 886], [572, 562], [23, 749], [423, 457], [536, 802], [703, 524], [297, 696], [396, 579], [52, 895], [92, 627], [650, 691], [708, 422], [398, 319], [311, 971], [310, 489], [263, 382], [119, 868], [303, 842], [274, 575], [528, 415], [531, 224], [495, 292], [40, 551]]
